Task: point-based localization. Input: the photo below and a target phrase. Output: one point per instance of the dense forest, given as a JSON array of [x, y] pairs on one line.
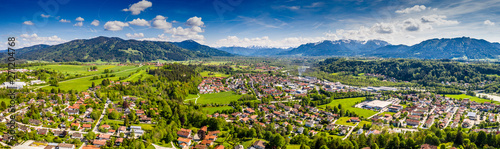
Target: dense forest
[[425, 72]]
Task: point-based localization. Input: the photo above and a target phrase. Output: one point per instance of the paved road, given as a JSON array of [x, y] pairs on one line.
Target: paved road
[[425, 118], [350, 131], [455, 109], [100, 118]]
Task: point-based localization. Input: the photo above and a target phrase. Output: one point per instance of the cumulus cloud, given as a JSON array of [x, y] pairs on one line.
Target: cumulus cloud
[[438, 19], [115, 25], [33, 39], [135, 35], [95, 23], [179, 33], [160, 22], [383, 28], [416, 8], [78, 24], [265, 41], [65, 21], [138, 7], [28, 23], [194, 21], [411, 25], [488, 22], [139, 22], [45, 16], [79, 19]]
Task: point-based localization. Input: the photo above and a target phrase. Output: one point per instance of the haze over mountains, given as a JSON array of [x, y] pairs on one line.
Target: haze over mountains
[[116, 49]]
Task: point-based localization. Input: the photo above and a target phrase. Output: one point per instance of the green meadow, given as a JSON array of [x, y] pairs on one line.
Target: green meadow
[[218, 98], [84, 83], [472, 98], [348, 104]]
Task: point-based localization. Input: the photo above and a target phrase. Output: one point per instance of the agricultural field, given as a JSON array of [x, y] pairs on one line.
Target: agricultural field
[[81, 69], [83, 83], [218, 98], [211, 110], [472, 98], [348, 104]]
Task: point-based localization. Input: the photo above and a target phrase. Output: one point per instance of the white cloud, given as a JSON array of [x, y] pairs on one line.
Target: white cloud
[[160, 37], [488, 22], [194, 21], [95, 23], [79, 19], [438, 19], [115, 25], [33, 39], [416, 8], [266, 41], [78, 24], [138, 7], [383, 28], [135, 35], [139, 22], [65, 21], [160, 22], [45, 16], [179, 33], [28, 23]]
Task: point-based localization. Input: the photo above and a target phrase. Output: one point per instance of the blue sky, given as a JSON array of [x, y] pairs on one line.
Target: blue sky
[[272, 23]]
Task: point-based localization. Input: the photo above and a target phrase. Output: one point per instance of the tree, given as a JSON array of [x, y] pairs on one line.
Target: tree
[[324, 147], [90, 136], [93, 84], [278, 141], [481, 138], [4, 106], [459, 139], [303, 146], [374, 146]]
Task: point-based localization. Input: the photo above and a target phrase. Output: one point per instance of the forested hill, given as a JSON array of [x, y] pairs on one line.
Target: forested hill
[[443, 48], [424, 72], [196, 47], [116, 49]]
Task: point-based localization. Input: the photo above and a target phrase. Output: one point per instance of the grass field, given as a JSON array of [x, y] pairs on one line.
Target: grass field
[[390, 113], [214, 74], [472, 98], [348, 104], [84, 83], [140, 75], [293, 146], [82, 69], [218, 98], [211, 110], [343, 121], [6, 100]]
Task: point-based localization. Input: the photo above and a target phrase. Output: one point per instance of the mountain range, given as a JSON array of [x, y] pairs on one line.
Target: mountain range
[[116, 49], [444, 48]]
